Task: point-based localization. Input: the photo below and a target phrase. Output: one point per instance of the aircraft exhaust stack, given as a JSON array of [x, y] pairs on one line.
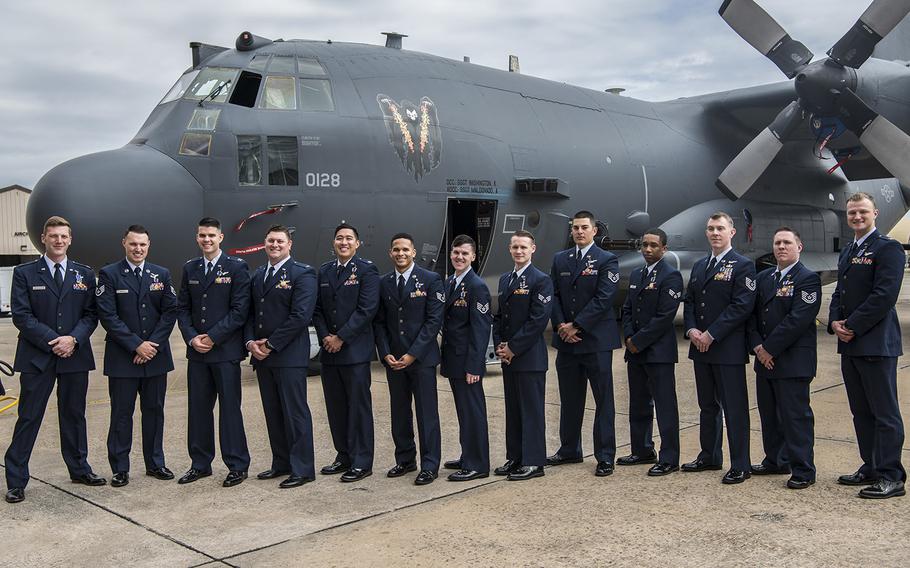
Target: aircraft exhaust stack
[[393, 39]]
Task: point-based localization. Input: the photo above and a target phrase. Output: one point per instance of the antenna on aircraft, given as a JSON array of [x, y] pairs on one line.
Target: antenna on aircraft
[[393, 39], [514, 67], [615, 90]]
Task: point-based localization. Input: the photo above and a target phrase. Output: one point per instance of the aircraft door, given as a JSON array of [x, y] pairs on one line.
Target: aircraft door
[[473, 217]]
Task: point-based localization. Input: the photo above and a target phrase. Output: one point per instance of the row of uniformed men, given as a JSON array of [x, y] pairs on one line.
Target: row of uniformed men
[[222, 316]]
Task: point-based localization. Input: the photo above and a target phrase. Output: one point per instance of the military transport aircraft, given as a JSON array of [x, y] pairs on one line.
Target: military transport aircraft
[[310, 133]]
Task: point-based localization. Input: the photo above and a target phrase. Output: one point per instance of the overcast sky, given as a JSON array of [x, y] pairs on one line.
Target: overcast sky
[[80, 77]]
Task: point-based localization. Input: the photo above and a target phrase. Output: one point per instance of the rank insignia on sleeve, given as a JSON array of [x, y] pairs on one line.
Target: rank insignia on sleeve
[[99, 290], [750, 284], [544, 299], [613, 276], [674, 294], [441, 297], [809, 298], [483, 308], [174, 292]]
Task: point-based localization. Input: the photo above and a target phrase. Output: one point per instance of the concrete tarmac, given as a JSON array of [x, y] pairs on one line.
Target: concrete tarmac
[[567, 518]]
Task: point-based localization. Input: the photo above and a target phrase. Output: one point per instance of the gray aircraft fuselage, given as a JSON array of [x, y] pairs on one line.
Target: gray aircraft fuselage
[[410, 142]]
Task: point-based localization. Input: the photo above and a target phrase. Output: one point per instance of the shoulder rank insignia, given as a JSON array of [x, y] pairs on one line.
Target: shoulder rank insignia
[[544, 299], [613, 276], [750, 284], [809, 298], [674, 294], [441, 297], [99, 290], [483, 308]]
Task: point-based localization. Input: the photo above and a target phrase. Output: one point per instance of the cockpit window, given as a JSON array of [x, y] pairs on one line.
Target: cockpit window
[[213, 83], [204, 119], [249, 160], [179, 87], [194, 144], [310, 66], [279, 93], [282, 151], [316, 95], [259, 62], [282, 64]]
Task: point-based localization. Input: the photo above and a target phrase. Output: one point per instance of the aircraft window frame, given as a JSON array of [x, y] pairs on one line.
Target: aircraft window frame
[[196, 144], [260, 57], [180, 86], [283, 65], [289, 176], [249, 146], [204, 119], [264, 102], [213, 77], [325, 95], [310, 67]]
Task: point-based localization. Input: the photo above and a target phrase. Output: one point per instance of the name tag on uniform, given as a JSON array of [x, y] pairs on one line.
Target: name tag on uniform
[[39, 287], [194, 282], [324, 284], [123, 291], [565, 274]]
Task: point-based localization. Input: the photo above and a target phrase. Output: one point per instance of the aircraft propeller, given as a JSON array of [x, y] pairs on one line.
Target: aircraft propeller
[[824, 88]]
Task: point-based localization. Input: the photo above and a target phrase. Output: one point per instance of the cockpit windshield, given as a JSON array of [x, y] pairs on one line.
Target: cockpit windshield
[[212, 83], [180, 87]]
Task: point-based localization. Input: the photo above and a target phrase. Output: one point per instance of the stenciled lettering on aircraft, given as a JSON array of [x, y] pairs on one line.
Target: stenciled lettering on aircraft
[[483, 186], [414, 133]]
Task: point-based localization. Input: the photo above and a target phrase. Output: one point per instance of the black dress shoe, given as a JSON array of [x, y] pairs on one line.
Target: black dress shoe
[[635, 459], [425, 477], [234, 478], [88, 479], [162, 473], [120, 479], [507, 468], [526, 472], [15, 495], [794, 483], [883, 489], [401, 469], [603, 469], [294, 481], [858, 478], [272, 474], [452, 464], [699, 465], [762, 469], [192, 475], [355, 474], [659, 469], [734, 476], [468, 475], [557, 459], [336, 467]]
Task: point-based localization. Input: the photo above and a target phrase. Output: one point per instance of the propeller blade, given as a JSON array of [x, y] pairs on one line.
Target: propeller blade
[[745, 169], [762, 32], [886, 142], [857, 45]]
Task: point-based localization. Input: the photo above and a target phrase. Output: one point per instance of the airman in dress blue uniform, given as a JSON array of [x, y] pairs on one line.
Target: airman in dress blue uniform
[[655, 291], [782, 336], [347, 302], [465, 338], [53, 306], [585, 280], [283, 297], [718, 303], [864, 318], [212, 309], [406, 328], [137, 305], [525, 302]]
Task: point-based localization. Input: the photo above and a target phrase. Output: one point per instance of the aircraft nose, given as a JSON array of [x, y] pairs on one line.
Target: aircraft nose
[[102, 194]]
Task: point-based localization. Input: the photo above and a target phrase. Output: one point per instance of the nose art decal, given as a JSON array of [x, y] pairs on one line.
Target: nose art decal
[[414, 133]]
